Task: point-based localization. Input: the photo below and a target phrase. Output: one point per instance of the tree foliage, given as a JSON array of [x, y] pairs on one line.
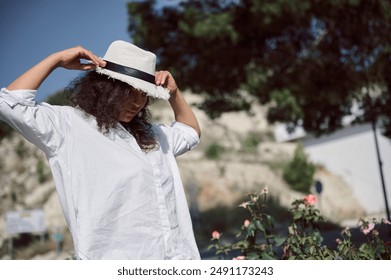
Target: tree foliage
[[60, 97], [310, 60]]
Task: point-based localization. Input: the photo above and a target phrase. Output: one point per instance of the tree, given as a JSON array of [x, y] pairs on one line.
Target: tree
[[310, 60], [60, 97]]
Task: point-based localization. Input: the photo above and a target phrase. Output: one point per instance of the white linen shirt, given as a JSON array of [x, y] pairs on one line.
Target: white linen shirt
[[119, 202]]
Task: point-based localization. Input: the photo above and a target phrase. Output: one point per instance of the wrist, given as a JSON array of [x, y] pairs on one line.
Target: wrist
[[54, 60], [174, 94]]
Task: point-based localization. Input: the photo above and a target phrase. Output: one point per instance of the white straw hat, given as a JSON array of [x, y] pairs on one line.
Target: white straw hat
[[134, 66]]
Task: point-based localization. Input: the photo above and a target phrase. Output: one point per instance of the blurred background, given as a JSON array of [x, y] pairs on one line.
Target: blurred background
[[292, 95]]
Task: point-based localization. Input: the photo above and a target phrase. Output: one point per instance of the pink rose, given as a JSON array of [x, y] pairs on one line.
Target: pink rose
[[368, 229], [215, 234], [310, 199], [246, 223], [239, 258]]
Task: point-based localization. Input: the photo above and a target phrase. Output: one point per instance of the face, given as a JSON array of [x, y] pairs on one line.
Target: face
[[132, 106]]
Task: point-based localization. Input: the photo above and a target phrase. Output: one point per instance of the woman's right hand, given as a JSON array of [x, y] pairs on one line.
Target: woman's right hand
[[71, 59]]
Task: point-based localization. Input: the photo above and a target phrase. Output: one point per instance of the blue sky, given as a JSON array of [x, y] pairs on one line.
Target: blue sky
[[32, 29]]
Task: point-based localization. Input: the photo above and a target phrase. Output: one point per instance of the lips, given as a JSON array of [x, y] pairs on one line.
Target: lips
[[130, 113]]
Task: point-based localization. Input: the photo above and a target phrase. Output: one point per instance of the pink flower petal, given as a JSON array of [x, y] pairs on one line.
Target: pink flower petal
[[369, 228], [215, 234], [246, 223], [310, 199]]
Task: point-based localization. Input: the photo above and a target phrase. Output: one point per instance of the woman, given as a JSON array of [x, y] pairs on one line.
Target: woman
[[115, 173]]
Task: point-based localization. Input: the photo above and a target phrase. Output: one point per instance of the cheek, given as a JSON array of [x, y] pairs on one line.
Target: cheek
[[139, 105], [142, 101]]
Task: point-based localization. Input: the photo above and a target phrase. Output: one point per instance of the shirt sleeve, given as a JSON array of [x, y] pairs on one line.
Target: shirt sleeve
[[41, 124], [181, 137]]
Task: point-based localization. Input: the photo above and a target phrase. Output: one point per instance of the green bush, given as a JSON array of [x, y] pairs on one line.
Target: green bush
[[42, 176], [299, 172], [21, 149], [5, 130], [250, 144], [214, 151], [257, 238]]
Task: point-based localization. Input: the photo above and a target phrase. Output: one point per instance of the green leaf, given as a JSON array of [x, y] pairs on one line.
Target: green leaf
[[259, 226], [252, 256], [279, 240], [270, 220], [266, 256], [297, 215]]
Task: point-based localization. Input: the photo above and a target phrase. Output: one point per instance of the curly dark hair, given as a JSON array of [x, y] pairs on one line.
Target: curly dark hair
[[102, 97]]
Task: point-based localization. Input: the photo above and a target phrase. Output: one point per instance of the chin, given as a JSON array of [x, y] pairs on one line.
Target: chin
[[126, 118]]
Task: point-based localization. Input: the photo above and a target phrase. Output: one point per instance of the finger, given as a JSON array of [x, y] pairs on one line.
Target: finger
[[158, 77], [87, 62], [90, 55], [162, 77], [86, 67], [96, 60]]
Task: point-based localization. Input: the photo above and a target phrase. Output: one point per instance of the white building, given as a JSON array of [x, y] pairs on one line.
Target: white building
[[351, 154]]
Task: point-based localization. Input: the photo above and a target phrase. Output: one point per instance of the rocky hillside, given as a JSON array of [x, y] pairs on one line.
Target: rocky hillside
[[237, 155], [249, 160]]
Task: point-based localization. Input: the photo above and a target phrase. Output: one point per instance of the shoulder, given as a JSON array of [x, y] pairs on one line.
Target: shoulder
[[160, 128], [60, 109]]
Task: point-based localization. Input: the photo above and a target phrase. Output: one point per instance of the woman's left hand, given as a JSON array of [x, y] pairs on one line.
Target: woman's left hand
[[166, 80], [182, 111]]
